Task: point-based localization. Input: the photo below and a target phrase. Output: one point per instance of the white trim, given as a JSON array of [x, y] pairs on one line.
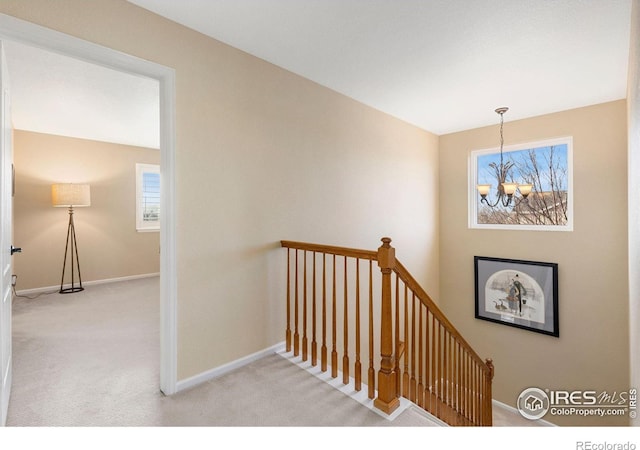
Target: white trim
[[216, 372], [28, 33], [88, 283], [472, 174], [7, 378], [349, 389], [513, 410]]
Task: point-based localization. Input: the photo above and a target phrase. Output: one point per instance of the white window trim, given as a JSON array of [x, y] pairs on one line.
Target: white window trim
[[141, 225]]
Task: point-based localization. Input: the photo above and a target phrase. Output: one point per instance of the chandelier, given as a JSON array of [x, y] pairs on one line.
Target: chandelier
[[506, 189]]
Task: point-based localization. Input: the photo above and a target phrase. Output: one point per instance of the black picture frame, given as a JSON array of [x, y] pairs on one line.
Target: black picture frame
[[517, 293]]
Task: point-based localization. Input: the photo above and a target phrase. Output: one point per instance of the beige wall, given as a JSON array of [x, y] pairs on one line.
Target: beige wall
[[633, 105], [263, 155], [592, 350], [108, 244]]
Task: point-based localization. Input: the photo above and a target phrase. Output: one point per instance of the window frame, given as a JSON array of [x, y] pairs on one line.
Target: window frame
[[474, 197], [141, 225]]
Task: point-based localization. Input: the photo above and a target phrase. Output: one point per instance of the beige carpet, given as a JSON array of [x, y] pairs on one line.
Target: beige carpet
[[91, 359]]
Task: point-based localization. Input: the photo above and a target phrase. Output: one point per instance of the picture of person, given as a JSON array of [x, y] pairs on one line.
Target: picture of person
[[516, 292]]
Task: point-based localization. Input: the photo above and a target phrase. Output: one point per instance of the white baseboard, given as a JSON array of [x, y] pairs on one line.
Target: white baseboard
[[88, 283], [203, 377], [511, 409]]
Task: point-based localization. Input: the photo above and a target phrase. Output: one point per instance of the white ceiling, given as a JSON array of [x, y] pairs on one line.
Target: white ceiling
[[55, 94], [443, 65]]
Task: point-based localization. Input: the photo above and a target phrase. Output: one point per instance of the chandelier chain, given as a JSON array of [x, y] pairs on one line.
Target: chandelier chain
[[501, 135]]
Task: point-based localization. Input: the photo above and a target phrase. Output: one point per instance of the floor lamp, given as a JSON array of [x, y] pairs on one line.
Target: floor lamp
[[71, 195]]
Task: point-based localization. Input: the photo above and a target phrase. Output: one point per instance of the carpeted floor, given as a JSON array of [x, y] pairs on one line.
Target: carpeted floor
[[92, 359]]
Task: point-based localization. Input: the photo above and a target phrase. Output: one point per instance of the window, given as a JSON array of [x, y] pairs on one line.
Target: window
[[545, 166], [147, 197]]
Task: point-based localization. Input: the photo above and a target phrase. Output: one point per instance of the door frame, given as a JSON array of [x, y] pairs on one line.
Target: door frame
[[24, 32]]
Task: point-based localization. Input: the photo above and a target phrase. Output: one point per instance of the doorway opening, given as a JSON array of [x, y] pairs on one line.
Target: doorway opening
[[22, 32]]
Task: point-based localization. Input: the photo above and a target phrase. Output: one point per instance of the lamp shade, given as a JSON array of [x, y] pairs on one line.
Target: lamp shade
[[510, 188], [525, 189], [483, 189], [69, 194]]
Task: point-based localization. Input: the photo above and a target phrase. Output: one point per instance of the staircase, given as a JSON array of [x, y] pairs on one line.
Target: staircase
[[340, 309]]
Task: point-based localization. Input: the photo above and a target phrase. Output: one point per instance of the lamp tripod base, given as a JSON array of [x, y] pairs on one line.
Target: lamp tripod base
[[75, 262], [71, 290]]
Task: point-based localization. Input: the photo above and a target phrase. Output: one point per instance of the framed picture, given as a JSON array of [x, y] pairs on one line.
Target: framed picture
[[521, 294], [545, 166]]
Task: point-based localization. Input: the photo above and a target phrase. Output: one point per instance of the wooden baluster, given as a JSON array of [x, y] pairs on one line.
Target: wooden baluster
[[439, 370], [445, 381], [296, 336], [358, 365], [456, 375], [452, 378], [334, 318], [288, 331], [412, 385], [450, 375], [396, 367], [323, 349], [475, 392], [434, 379], [479, 384], [427, 356], [481, 372], [345, 357], [420, 391], [470, 387], [443, 370], [483, 410], [314, 344], [405, 375], [479, 417], [371, 373], [461, 378], [445, 374], [464, 381], [305, 354], [463, 386], [387, 399]]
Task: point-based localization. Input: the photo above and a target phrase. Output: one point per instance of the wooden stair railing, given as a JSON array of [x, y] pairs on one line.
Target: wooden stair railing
[[422, 356]]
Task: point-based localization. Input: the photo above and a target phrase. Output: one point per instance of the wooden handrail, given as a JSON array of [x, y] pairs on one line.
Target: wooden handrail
[[332, 250], [441, 372]]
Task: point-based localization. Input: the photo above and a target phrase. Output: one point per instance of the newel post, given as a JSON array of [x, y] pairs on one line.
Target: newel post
[[488, 421], [387, 399]]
